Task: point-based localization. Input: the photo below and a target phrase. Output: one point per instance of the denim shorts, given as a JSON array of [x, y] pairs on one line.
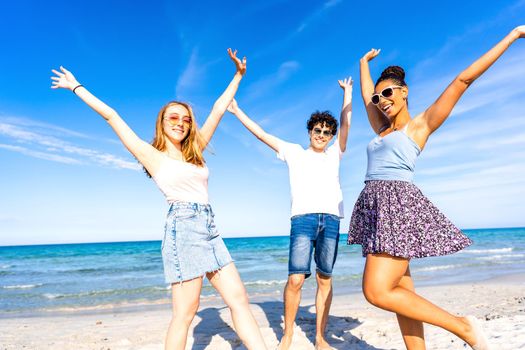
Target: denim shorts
[[191, 246], [309, 231]]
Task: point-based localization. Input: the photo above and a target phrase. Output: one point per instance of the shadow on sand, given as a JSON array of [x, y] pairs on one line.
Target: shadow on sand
[[337, 333], [211, 325]]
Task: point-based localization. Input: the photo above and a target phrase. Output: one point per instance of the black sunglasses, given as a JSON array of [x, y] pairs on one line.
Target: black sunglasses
[[386, 93]]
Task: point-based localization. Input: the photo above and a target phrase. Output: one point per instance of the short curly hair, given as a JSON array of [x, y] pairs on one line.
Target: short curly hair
[[324, 118]]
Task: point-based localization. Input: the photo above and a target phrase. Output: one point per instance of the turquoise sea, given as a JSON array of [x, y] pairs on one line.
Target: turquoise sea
[[44, 278]]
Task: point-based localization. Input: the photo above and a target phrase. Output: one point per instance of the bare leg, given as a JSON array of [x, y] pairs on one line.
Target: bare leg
[[323, 301], [292, 298], [228, 283], [381, 288], [412, 330], [185, 302]]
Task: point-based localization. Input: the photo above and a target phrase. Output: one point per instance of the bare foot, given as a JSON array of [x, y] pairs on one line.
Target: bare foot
[[478, 339], [285, 343], [322, 344]]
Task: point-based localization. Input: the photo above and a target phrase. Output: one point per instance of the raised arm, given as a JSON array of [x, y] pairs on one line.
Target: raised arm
[[222, 103], [270, 140], [346, 112], [375, 117], [430, 120], [144, 152]]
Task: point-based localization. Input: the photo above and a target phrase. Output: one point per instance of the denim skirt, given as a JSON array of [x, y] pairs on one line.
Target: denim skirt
[[191, 246]]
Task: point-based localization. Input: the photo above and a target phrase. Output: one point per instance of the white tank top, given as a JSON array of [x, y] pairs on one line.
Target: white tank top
[[182, 181]]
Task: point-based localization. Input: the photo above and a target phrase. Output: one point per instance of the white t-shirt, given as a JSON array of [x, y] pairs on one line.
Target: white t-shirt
[[314, 179], [182, 181]]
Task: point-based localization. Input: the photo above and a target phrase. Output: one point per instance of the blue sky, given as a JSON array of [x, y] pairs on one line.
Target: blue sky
[[66, 178]]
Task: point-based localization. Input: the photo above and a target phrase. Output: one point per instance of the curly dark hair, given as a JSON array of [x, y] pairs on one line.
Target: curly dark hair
[[324, 118], [394, 73]]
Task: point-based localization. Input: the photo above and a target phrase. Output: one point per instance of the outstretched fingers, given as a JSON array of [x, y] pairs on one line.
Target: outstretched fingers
[[57, 72], [346, 83], [63, 79], [56, 79], [233, 55], [239, 64], [55, 82]]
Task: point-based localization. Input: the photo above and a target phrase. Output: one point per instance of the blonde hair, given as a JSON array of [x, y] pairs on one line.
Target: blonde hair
[[192, 145]]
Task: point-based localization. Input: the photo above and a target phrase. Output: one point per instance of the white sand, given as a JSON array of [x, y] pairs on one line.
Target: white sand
[[353, 324]]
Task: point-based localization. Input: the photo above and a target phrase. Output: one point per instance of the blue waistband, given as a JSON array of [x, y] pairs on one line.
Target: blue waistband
[[189, 205]]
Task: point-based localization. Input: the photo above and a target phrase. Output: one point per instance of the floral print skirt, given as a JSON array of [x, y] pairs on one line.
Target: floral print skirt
[[394, 217]]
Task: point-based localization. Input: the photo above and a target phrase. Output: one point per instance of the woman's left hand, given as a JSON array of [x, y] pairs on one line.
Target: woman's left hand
[[240, 65]]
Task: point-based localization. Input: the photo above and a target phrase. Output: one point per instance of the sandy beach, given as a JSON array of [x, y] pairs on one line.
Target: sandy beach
[[353, 324]]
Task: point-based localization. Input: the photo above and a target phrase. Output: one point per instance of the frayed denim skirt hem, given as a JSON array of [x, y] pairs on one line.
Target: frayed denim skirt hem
[[191, 246]]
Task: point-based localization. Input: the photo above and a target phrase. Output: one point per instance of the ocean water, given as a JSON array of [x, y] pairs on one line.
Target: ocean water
[[47, 278]]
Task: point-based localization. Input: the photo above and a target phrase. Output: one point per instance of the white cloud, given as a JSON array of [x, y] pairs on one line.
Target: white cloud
[[457, 41], [500, 82], [42, 142], [41, 155], [332, 3], [518, 140], [192, 74], [36, 124], [477, 179], [473, 135], [317, 14], [271, 81]]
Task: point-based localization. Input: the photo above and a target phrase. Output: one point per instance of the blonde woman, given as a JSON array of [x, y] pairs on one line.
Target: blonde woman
[[192, 247]]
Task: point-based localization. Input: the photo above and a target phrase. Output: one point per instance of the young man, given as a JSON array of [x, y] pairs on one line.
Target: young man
[[317, 206]]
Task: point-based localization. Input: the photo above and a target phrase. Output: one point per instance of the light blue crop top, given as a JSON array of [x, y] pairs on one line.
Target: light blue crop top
[[392, 157]]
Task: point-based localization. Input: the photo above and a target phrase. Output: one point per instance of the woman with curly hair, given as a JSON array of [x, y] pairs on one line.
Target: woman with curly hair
[[392, 220]]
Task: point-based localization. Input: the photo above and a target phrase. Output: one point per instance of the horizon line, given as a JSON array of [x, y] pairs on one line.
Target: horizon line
[[225, 238]]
